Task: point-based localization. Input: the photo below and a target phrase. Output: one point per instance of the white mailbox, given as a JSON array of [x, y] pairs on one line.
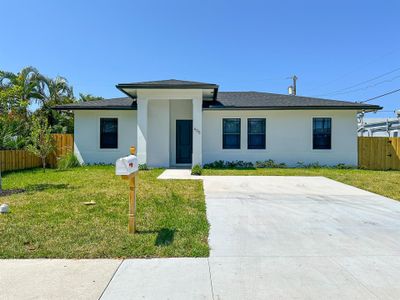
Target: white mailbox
[[126, 165]]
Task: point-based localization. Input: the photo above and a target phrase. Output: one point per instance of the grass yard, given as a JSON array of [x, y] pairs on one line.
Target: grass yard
[[386, 183], [48, 218]]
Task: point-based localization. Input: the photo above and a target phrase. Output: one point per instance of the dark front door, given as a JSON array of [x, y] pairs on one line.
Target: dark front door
[[184, 141]]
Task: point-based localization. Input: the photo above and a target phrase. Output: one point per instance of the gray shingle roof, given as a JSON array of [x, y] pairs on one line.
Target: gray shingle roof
[[258, 100], [232, 100], [169, 83], [123, 103]]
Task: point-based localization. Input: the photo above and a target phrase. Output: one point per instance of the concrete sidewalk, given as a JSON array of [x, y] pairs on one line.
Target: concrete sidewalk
[[55, 278], [168, 278]]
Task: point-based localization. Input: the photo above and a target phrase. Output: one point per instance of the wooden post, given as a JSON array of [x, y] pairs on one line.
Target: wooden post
[[132, 199]]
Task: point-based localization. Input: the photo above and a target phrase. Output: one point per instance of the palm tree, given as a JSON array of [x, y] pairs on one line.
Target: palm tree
[[88, 97], [54, 92], [27, 79]]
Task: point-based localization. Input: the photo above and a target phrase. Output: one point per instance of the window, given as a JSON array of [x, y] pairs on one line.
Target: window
[[256, 133], [108, 133], [322, 133], [231, 133]]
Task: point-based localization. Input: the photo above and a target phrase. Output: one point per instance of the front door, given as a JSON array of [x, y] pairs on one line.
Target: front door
[[184, 141]]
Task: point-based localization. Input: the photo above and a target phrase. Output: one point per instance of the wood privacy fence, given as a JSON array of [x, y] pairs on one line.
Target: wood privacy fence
[[21, 159], [64, 144], [379, 153]]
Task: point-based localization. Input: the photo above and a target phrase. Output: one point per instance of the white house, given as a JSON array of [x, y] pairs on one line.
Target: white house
[[182, 123]]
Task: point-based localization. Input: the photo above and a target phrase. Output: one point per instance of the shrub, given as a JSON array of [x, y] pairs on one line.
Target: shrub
[[218, 164], [269, 164], [143, 167], [197, 170], [68, 161], [314, 165], [344, 166], [41, 141], [237, 164]]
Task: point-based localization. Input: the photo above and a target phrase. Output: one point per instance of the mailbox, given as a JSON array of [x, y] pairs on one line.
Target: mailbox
[[126, 165]]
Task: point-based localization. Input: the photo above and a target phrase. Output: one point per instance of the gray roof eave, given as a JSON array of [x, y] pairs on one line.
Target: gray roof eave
[[94, 108], [166, 86], [369, 108]]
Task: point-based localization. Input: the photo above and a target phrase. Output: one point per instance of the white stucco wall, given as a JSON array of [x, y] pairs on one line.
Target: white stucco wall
[[180, 103], [288, 137], [87, 135], [158, 148]]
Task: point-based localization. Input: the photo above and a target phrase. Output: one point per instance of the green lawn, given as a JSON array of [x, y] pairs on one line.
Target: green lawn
[[48, 219], [386, 183]]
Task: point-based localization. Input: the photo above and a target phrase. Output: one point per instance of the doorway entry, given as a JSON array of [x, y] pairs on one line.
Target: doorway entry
[[184, 145]]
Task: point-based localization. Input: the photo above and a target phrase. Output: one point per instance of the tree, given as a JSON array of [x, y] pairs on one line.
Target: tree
[[88, 97], [11, 103], [41, 142], [28, 81], [55, 92], [14, 118]]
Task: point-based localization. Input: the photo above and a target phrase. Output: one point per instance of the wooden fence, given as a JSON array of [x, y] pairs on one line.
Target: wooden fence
[[21, 159], [64, 144], [18, 160], [379, 153]]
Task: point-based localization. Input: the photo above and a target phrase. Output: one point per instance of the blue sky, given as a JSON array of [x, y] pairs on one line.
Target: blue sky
[[240, 45]]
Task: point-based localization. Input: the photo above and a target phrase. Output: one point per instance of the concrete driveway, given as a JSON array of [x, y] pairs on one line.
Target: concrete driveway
[[279, 238], [301, 237], [270, 238]]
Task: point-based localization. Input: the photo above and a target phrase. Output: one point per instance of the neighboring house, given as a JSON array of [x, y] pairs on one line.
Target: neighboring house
[[379, 127], [182, 123]]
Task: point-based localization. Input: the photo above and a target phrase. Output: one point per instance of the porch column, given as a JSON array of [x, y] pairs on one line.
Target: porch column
[[197, 104], [142, 108]]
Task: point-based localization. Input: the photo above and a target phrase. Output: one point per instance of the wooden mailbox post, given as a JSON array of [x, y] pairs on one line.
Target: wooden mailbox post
[[127, 168]]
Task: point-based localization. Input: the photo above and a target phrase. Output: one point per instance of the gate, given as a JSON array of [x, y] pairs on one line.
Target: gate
[[379, 153]]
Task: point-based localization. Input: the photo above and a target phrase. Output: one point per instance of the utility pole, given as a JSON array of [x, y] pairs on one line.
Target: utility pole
[[293, 88], [294, 78]]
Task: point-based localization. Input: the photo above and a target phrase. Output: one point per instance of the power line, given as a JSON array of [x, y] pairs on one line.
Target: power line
[[380, 96], [360, 83], [358, 68], [367, 87]]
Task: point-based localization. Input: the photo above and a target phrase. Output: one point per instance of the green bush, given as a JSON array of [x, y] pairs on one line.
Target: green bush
[[197, 170], [237, 164], [143, 167], [314, 165], [317, 165], [269, 164], [344, 166], [218, 164], [68, 161]]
